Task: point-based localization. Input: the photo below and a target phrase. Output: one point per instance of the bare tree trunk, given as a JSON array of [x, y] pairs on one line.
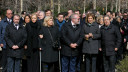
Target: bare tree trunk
[[15, 6], [126, 4], [106, 5], [116, 5], [21, 3], [39, 5], [119, 5], [84, 5], [94, 4], [59, 6], [52, 7], [111, 5]]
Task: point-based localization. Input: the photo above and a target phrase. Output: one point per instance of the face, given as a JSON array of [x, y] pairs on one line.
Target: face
[[106, 21], [118, 19], [108, 13], [60, 18], [90, 19], [70, 12], [34, 18], [41, 16], [50, 22], [27, 19], [48, 13], [101, 21], [84, 15], [125, 16], [76, 19], [9, 14], [113, 15], [23, 15], [16, 19], [0, 19]]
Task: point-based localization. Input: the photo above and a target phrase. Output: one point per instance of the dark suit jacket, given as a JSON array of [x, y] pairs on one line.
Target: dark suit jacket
[[70, 35], [110, 39], [15, 37]]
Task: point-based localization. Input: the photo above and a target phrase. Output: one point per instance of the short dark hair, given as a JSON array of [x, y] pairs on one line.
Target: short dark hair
[[16, 15], [23, 12], [26, 16], [48, 10], [60, 14]]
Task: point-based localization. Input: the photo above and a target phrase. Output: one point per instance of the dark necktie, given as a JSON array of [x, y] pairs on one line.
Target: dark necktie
[[9, 21], [74, 26], [16, 25]]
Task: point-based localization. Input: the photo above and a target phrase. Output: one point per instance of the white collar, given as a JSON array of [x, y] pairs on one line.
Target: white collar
[[72, 23], [9, 19]]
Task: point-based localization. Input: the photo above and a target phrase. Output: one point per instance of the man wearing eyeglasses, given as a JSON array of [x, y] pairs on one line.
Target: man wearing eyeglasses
[[71, 39], [6, 21]]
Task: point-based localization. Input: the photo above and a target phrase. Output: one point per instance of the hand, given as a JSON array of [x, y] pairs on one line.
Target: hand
[[2, 45], [125, 40], [75, 45], [25, 47], [90, 35], [86, 37], [116, 49], [13, 47], [40, 49], [100, 49], [41, 36], [72, 45], [59, 48], [16, 46]]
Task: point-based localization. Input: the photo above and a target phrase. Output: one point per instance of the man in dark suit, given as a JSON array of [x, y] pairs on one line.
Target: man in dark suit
[[23, 13], [15, 37], [71, 39], [110, 43], [6, 21]]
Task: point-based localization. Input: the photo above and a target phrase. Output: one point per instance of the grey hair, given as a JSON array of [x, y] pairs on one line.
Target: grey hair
[[16, 15], [107, 16], [72, 16], [42, 12]]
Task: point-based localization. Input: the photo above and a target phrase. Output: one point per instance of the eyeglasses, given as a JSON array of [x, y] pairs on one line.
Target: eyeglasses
[[77, 18]]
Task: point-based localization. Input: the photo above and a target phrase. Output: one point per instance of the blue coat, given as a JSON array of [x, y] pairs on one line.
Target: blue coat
[[3, 25]]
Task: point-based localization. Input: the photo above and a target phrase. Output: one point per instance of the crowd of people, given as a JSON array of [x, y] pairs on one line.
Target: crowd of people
[[40, 42]]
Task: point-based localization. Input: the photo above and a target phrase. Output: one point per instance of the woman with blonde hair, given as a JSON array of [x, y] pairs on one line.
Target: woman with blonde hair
[[49, 44], [32, 51]]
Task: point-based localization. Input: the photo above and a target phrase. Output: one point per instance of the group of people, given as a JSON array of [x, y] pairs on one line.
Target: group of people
[[62, 43]]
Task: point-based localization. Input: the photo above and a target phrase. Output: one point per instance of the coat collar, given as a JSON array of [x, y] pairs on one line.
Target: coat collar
[[109, 27], [70, 25]]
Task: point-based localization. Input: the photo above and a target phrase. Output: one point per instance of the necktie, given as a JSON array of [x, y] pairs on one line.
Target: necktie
[[74, 26], [16, 25], [9, 21]]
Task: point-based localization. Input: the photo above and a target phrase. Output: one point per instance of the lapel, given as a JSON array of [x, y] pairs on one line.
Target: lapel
[[70, 25]]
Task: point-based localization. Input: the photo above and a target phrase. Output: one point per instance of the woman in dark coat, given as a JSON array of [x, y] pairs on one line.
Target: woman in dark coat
[[32, 53], [90, 44], [48, 35], [27, 20]]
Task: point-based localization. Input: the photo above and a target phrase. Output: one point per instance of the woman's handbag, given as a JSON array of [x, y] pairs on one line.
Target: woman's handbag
[[55, 43]]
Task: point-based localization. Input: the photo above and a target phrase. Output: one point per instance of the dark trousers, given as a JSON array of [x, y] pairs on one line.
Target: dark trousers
[[24, 65], [13, 64], [69, 64], [109, 63], [48, 67], [4, 60], [90, 62], [100, 62]]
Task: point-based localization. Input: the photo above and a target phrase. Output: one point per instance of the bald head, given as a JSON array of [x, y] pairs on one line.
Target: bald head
[[9, 13]]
